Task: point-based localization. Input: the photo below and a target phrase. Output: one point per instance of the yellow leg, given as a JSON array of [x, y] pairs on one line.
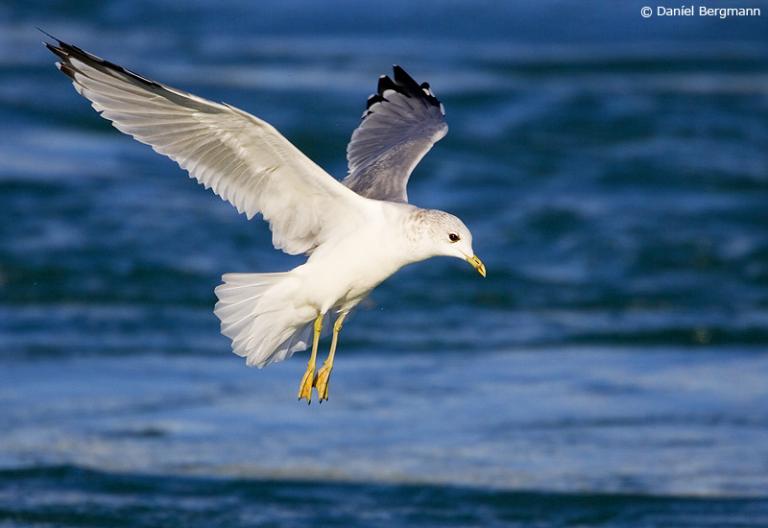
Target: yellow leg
[[305, 387], [324, 373]]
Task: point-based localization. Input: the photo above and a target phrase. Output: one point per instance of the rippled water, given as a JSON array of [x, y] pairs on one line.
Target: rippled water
[[610, 371]]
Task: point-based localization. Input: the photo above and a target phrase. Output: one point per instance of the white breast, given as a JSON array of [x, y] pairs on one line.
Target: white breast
[[342, 274]]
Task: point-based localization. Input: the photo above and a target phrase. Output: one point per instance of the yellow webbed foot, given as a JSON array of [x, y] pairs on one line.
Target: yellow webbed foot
[[307, 382], [321, 383]]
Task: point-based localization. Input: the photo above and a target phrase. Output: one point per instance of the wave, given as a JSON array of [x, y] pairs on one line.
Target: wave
[[78, 496]]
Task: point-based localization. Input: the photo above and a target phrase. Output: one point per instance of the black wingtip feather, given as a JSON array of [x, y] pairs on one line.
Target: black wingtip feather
[[404, 84], [402, 77], [66, 51], [60, 53], [66, 69], [385, 83], [44, 32]]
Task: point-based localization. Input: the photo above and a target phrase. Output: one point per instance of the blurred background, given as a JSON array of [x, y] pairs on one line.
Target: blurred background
[[611, 370]]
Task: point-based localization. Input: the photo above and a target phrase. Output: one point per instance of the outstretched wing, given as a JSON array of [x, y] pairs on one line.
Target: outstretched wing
[[243, 159], [400, 124]]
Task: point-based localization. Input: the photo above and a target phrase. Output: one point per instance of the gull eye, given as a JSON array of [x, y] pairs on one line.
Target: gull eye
[[453, 237]]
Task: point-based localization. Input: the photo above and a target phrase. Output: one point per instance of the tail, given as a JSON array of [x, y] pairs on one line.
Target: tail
[[264, 328]]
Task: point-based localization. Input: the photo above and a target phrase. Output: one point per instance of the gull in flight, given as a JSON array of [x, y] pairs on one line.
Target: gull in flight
[[356, 232]]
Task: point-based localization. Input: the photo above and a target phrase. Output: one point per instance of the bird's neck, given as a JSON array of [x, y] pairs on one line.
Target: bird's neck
[[416, 237]]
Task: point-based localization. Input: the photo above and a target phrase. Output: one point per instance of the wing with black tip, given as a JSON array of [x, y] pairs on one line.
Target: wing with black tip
[[241, 158], [400, 124]]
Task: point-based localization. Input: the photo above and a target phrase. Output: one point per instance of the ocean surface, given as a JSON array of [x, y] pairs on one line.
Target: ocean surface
[[612, 370]]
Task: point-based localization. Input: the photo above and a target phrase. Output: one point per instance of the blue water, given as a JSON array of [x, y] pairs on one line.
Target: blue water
[[612, 370]]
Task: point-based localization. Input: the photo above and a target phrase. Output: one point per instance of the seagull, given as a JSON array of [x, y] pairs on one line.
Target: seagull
[[355, 233]]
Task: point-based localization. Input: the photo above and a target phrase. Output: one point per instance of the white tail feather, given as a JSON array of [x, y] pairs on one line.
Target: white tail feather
[[253, 313]]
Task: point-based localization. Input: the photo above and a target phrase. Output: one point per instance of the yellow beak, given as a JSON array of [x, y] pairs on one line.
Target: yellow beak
[[477, 264]]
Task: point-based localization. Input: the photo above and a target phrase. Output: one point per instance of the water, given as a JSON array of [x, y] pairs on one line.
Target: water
[[610, 371]]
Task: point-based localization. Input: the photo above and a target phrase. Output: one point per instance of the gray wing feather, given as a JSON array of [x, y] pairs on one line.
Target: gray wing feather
[[400, 124]]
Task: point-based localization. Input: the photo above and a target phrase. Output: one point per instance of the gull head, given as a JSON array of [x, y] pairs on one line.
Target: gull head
[[440, 234]]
